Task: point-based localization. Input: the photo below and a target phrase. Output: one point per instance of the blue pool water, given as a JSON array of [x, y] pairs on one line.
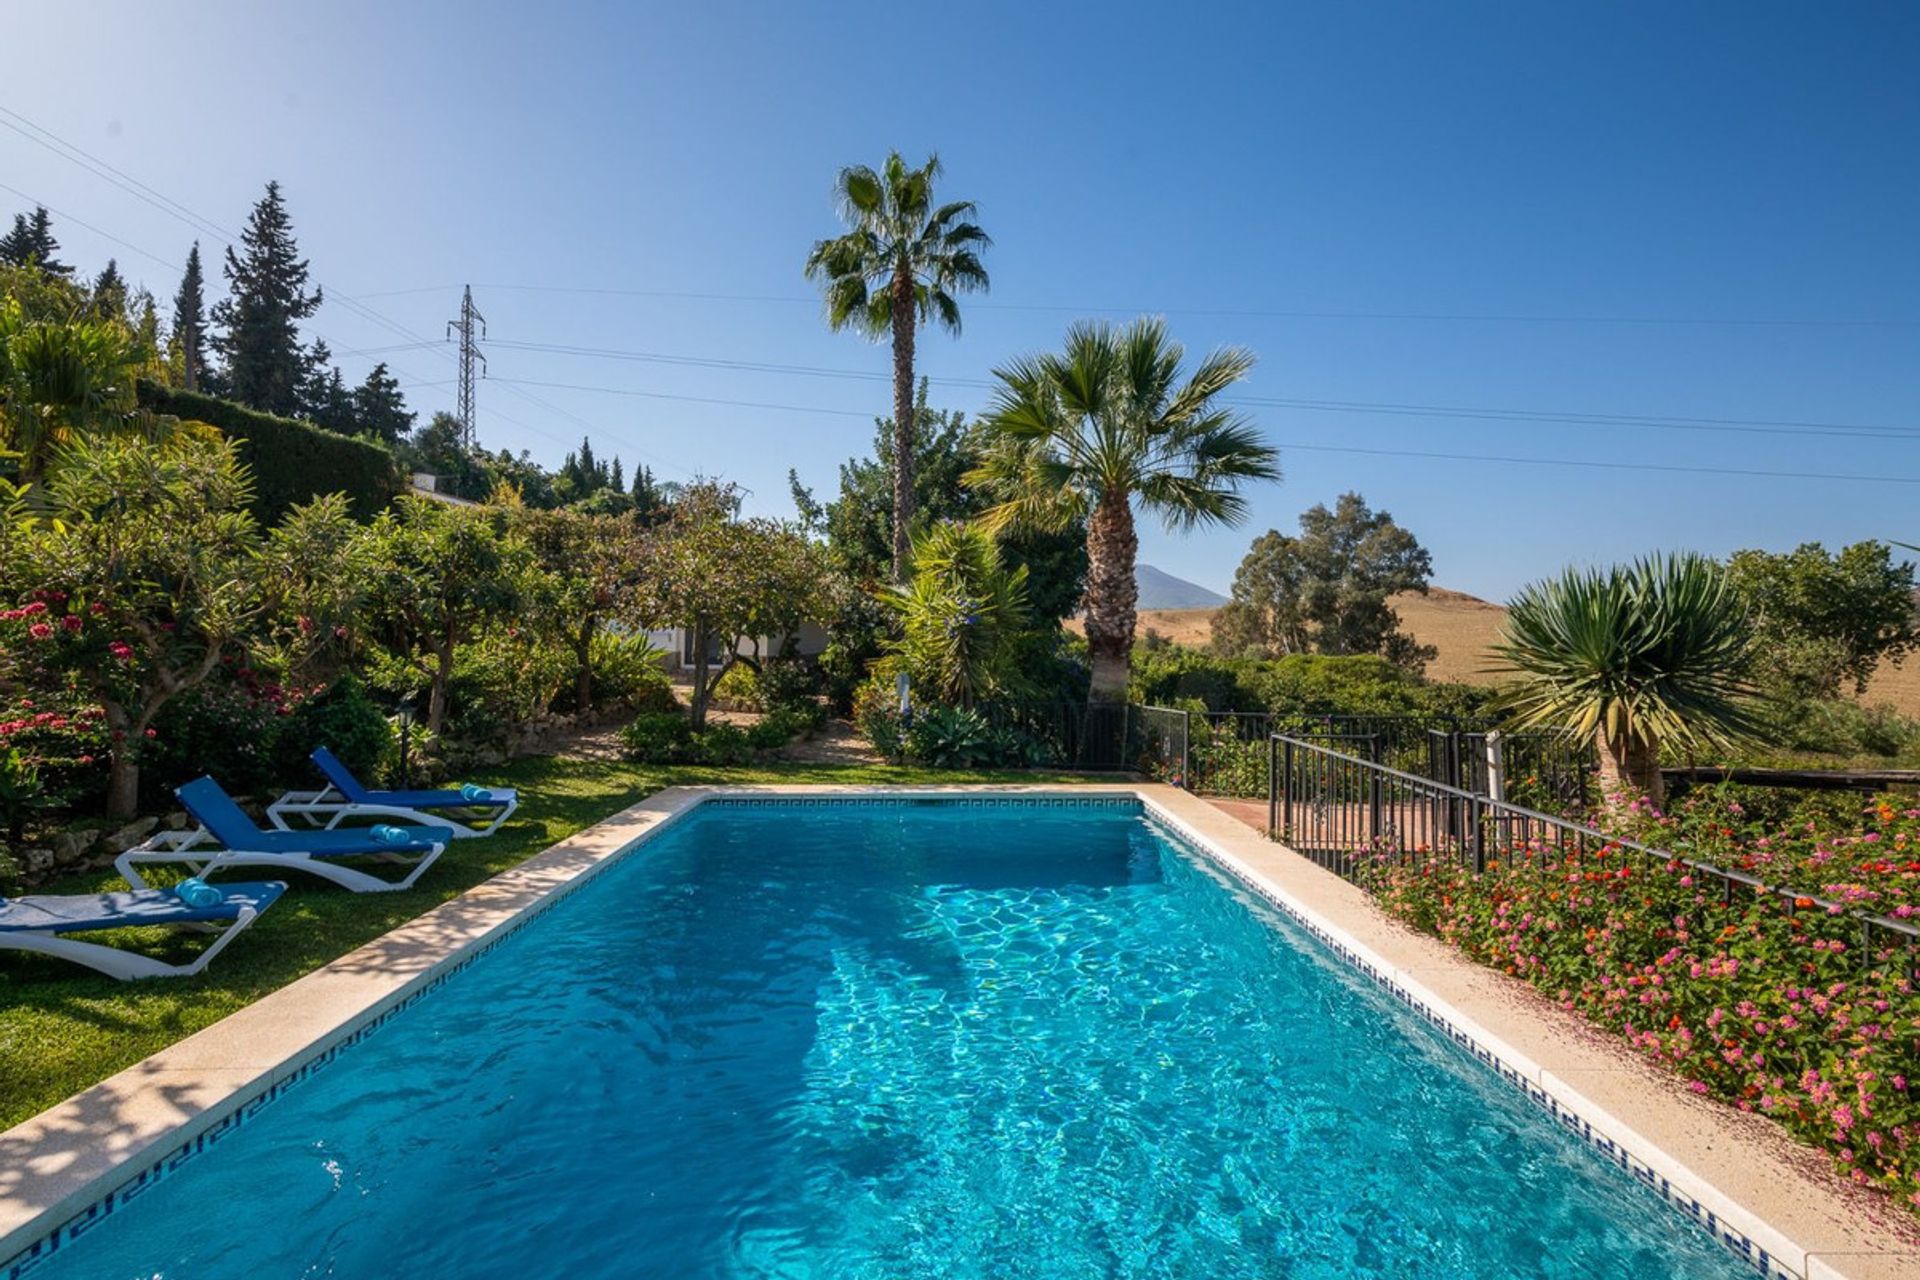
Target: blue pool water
[[900, 1040]]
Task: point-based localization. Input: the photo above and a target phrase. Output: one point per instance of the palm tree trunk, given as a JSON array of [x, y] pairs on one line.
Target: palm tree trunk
[[903, 423], [1628, 769], [1111, 594]]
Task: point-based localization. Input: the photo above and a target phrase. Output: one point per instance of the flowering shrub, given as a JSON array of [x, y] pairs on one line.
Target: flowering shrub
[[1773, 1003]]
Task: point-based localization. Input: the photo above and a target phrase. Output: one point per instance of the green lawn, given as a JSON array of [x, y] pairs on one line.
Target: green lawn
[[63, 1028]]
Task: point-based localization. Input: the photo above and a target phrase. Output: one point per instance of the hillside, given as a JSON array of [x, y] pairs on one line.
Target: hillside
[[1161, 590], [1464, 628]]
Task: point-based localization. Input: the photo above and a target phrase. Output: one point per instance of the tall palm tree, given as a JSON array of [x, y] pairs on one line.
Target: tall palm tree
[[898, 265], [1107, 421], [1632, 657]]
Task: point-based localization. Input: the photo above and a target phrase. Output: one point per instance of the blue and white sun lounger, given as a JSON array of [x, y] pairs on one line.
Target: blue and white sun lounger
[[40, 924], [344, 797], [246, 845]]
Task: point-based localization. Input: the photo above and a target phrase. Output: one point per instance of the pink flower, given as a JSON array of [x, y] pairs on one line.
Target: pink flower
[[40, 631], [71, 622], [121, 650]]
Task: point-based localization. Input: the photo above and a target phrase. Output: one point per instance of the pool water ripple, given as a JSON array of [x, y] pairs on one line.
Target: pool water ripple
[[928, 1041]]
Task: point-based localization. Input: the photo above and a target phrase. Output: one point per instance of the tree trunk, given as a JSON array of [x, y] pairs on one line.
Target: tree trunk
[[437, 696], [1628, 769], [697, 713], [1111, 593], [123, 764], [903, 423], [583, 679]]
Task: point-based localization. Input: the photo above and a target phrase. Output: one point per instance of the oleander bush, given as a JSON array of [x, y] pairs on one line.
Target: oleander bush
[[1776, 1004]]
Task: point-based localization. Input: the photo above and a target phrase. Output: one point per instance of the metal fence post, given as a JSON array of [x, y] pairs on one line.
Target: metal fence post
[[1496, 765], [1186, 750], [1273, 787], [1474, 814]]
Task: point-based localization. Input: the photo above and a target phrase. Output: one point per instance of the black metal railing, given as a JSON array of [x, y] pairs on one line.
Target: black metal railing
[[1337, 809]]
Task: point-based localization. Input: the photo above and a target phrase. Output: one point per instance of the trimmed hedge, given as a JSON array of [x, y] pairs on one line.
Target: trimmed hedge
[[292, 461]]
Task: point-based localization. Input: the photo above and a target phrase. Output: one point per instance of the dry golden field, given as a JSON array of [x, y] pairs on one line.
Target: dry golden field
[[1463, 628]]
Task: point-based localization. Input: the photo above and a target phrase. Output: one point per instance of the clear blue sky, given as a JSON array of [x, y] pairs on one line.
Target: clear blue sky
[[1299, 179]]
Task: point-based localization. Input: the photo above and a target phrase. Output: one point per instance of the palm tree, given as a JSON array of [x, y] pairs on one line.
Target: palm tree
[[1084, 433], [898, 265], [58, 379], [1633, 657]]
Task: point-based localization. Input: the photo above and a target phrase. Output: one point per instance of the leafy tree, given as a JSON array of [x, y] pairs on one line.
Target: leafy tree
[[588, 563], [1632, 657], [963, 616], [898, 265], [259, 321], [1086, 433], [143, 577], [1824, 620], [437, 575], [316, 564], [379, 410], [189, 341], [1326, 591], [728, 582], [31, 244], [109, 295]]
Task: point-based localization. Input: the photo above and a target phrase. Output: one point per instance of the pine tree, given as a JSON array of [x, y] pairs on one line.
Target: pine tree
[[109, 298], [31, 241], [380, 409], [648, 501], [190, 322], [259, 322], [617, 482], [324, 399], [589, 479]]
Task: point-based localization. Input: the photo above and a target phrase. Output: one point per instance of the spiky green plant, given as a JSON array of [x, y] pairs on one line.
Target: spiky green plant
[[1634, 656], [961, 616]]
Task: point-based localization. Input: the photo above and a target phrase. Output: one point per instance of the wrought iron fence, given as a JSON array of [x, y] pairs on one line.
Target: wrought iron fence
[[1337, 809], [1158, 743]]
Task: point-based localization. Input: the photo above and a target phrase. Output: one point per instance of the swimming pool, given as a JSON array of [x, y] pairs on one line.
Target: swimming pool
[[892, 1038]]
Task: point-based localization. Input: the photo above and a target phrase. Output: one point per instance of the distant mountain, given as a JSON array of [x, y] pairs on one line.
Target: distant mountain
[[1164, 591]]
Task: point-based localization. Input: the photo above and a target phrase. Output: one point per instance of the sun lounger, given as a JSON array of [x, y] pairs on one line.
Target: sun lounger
[[42, 925], [240, 843], [343, 797]]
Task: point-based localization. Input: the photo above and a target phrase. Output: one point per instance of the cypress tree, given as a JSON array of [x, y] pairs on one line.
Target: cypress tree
[[589, 477], [190, 321], [379, 409], [259, 322], [616, 481], [31, 242], [647, 499], [109, 301]]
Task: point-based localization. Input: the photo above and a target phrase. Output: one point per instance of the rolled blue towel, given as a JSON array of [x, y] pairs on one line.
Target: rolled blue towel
[[384, 834], [196, 892], [475, 794]]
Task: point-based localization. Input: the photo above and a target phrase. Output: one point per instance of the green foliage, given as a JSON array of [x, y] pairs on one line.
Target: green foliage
[[439, 576], [292, 462], [1643, 654], [1824, 620], [150, 560], [1299, 684], [962, 618], [31, 244], [379, 410], [723, 578], [627, 672], [1326, 591], [22, 791], [259, 321], [341, 718], [670, 738], [61, 379]]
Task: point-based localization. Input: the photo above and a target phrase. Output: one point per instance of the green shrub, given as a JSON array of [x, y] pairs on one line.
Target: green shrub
[[669, 738], [627, 672], [344, 720], [721, 744], [292, 462], [738, 690], [782, 725], [502, 679], [226, 728]]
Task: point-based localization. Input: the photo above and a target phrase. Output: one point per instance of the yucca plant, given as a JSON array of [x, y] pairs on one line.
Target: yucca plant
[[1634, 657], [961, 616]]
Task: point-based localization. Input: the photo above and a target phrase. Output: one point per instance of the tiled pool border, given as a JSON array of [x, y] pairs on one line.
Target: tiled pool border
[[33, 1240]]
